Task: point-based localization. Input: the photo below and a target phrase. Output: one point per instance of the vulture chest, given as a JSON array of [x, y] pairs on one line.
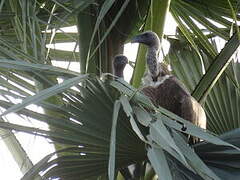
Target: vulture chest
[[169, 94]]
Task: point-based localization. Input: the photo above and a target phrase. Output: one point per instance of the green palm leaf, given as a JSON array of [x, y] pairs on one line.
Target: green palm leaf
[[88, 125], [82, 117], [187, 66]]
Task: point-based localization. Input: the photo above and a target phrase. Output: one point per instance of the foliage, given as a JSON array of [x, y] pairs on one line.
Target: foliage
[[188, 67], [81, 117], [90, 150]]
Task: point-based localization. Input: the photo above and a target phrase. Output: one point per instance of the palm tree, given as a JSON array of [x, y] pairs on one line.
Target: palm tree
[[100, 126]]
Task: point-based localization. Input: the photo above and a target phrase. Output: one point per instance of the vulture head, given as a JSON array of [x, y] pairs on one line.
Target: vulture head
[[148, 38], [119, 64], [151, 40]]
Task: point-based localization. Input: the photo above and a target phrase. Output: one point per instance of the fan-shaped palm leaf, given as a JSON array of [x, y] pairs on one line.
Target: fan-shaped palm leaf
[[87, 127], [187, 66]]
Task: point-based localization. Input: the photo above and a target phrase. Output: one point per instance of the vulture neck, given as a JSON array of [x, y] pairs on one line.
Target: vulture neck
[[152, 61], [119, 73]]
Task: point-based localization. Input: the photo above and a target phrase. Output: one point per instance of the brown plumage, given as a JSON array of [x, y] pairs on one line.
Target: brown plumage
[[166, 90], [175, 98]]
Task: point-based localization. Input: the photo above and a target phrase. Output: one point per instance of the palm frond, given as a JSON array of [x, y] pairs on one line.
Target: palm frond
[[221, 158], [188, 66], [88, 127]]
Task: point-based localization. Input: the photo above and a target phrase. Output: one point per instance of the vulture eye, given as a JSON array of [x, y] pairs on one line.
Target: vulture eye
[[146, 34]]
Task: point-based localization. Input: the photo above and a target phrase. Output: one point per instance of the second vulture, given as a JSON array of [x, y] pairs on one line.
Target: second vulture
[[119, 64]]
